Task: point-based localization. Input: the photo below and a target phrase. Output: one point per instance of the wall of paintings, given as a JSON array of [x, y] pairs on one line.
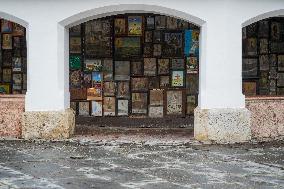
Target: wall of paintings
[[13, 58], [134, 65], [263, 58]]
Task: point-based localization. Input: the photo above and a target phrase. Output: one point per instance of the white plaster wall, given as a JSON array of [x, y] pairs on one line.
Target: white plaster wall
[[221, 22]]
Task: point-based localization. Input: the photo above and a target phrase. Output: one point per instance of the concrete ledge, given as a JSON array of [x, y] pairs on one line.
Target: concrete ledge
[[48, 124], [222, 125]]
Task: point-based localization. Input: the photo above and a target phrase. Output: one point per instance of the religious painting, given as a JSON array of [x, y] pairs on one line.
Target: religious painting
[[157, 36], [251, 47], [192, 83], [148, 36], [264, 80], [135, 25], [156, 111], [280, 63], [17, 81], [87, 80], [153, 82], [17, 64], [84, 108], [109, 106], [75, 45], [275, 31], [139, 103], [150, 66], [6, 26], [263, 28], [163, 66], [108, 69], [150, 23], [160, 22], [157, 50], [93, 26], [109, 88], [249, 88], [173, 44], [191, 42], [139, 83], [16, 42], [264, 62], [75, 30], [171, 23], [177, 63], [177, 78], [7, 58], [4, 89], [122, 70], [174, 102], [249, 67], [90, 65], [263, 46], [190, 104], [75, 79], [123, 89], [156, 97], [148, 50], [126, 47], [7, 41], [119, 26], [182, 24], [96, 77], [280, 80], [78, 93], [97, 108], [137, 68], [191, 64], [164, 81], [273, 73], [122, 107], [75, 62], [95, 93], [18, 30]]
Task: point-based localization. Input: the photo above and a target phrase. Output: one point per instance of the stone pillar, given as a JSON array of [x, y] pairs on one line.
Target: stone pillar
[[47, 114], [221, 115]]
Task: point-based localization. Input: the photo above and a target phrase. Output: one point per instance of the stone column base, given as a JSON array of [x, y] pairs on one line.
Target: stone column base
[[48, 124], [222, 125]]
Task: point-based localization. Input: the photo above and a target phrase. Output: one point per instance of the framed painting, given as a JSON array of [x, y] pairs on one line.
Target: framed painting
[[7, 41], [264, 62], [109, 106], [87, 80], [119, 26], [157, 36], [148, 50], [150, 66], [182, 24], [17, 64], [96, 78], [190, 104], [78, 93], [95, 93], [16, 42], [177, 63], [84, 108], [6, 26], [252, 30], [98, 45], [123, 89], [173, 44], [275, 31], [263, 28], [263, 46], [75, 62], [156, 111], [7, 58], [192, 83], [122, 70], [97, 108], [18, 30], [148, 36], [150, 23], [191, 64], [137, 68], [263, 80], [280, 80], [7, 75], [89, 65], [249, 67], [17, 81], [164, 81], [75, 30], [4, 88], [75, 45], [251, 45], [160, 22], [139, 84], [157, 97], [171, 23], [177, 78], [108, 69], [280, 63], [157, 50], [163, 66], [75, 78], [139, 103], [249, 88], [175, 103], [122, 107], [154, 83], [273, 73], [126, 47], [93, 26], [109, 88], [135, 25]]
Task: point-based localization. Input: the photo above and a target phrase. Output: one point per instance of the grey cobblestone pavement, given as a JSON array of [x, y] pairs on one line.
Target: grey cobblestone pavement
[[98, 164]]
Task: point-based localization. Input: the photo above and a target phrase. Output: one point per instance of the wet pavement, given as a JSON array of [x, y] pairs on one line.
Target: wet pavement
[[87, 163]]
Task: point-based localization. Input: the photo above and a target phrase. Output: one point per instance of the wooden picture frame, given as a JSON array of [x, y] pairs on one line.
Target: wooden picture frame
[[174, 103]]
